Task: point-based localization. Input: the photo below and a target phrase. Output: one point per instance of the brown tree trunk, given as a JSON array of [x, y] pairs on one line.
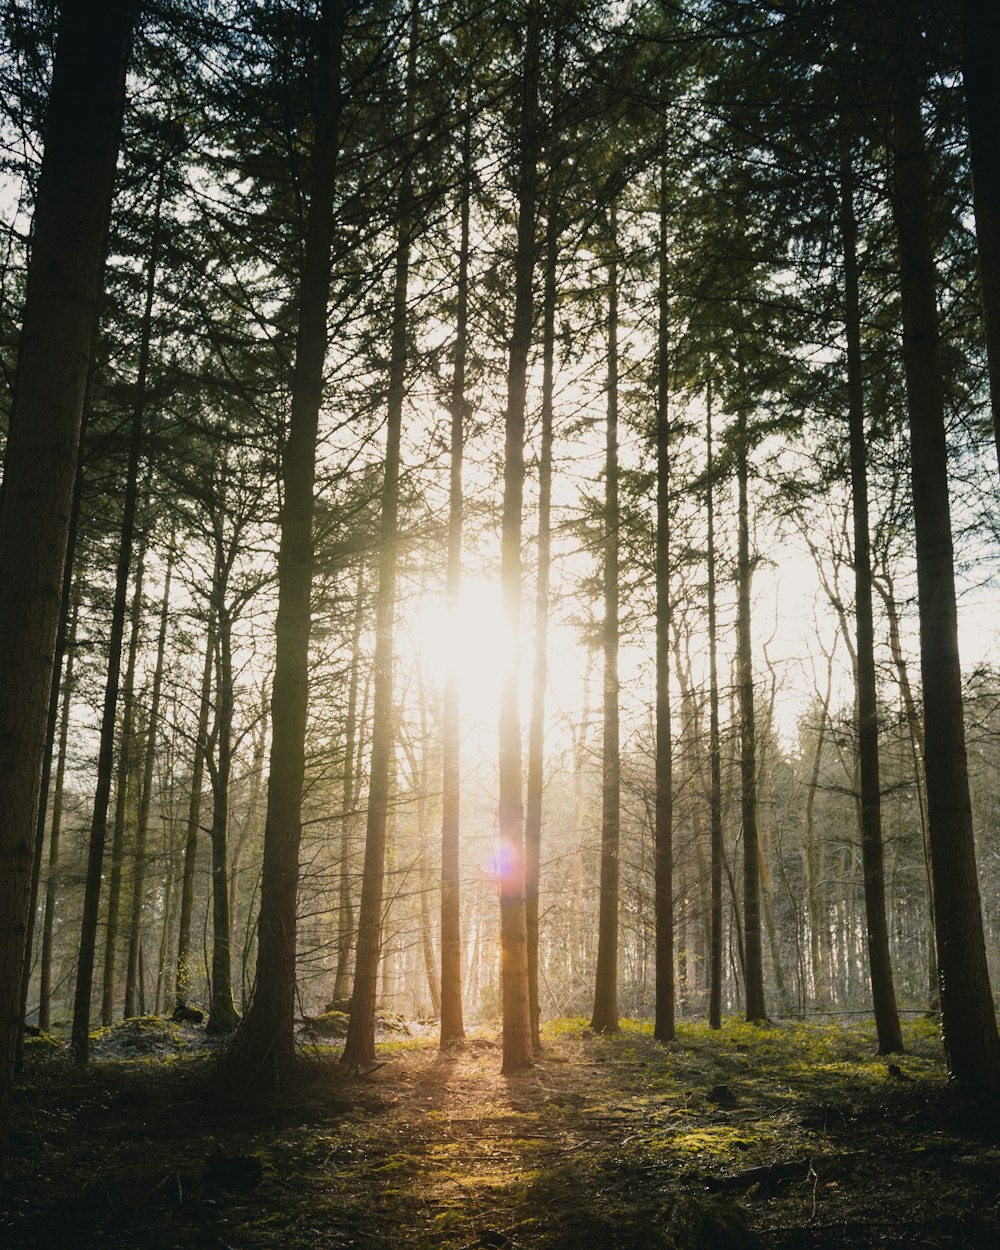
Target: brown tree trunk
[[50, 728], [980, 20], [145, 802], [754, 967], [248, 824], [352, 750], [972, 1046], [422, 779], [890, 1038], [518, 1049], [819, 923], [264, 1049], [55, 832], [182, 980], [359, 1045], [124, 780], [714, 746], [539, 677], [83, 125], [452, 1022], [915, 736], [663, 1024], [605, 1016], [222, 1015], [99, 823]]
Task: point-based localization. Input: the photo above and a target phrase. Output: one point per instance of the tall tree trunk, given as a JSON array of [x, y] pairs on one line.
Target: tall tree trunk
[[248, 825], [50, 728], [182, 979], [890, 1038], [605, 1017], [915, 737], [536, 732], [222, 1016], [819, 923], [264, 1048], [145, 802], [452, 1023], [422, 779], [754, 968], [518, 1049], [714, 745], [99, 824], [581, 754], [980, 21], [972, 1046], [352, 750], [663, 1024], [124, 775], [83, 126], [55, 833], [167, 920], [359, 1045]]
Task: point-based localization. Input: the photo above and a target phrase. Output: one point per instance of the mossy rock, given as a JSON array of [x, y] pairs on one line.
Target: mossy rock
[[329, 1024], [141, 1035], [333, 1024], [41, 1043], [391, 1022]]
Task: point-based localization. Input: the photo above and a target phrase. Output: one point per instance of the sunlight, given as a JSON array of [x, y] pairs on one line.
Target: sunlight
[[475, 640]]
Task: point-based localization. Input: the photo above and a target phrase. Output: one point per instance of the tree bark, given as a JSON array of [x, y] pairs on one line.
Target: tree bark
[[605, 1016], [972, 1046], [754, 966], [452, 1023], [890, 1038], [55, 832], [59, 656], [145, 802], [663, 1024], [222, 1016], [124, 780], [539, 677], [359, 1045], [352, 750], [182, 980], [518, 1049], [83, 126], [980, 21], [99, 824], [264, 1048], [714, 746]]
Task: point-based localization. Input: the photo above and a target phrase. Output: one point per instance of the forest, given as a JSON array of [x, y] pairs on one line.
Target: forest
[[499, 708]]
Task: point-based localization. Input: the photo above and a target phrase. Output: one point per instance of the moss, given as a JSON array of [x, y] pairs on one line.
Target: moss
[[329, 1024]]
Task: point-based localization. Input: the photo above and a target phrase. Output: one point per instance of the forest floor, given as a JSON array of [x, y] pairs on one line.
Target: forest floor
[[786, 1136]]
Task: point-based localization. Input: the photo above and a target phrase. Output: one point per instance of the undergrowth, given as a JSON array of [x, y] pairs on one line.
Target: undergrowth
[[787, 1135]]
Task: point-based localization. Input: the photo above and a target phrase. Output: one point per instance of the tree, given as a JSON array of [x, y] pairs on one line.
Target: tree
[[663, 1026], [754, 967], [980, 53], [452, 1024], [71, 211], [972, 1044], [263, 1048], [714, 746], [605, 1015], [518, 1049], [359, 1046], [890, 1038]]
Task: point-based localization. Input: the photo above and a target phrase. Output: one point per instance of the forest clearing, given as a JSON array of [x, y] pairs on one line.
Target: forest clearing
[[786, 1136]]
